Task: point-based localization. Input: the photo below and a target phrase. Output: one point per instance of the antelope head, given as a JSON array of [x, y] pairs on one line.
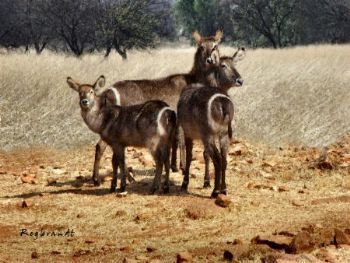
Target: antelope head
[[208, 48], [87, 92], [228, 76]]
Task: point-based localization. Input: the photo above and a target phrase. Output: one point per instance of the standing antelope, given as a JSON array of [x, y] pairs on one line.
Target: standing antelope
[[168, 89], [206, 113], [151, 125]]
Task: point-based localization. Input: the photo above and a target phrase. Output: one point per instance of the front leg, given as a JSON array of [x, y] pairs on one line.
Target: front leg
[[122, 166], [115, 172], [100, 148]]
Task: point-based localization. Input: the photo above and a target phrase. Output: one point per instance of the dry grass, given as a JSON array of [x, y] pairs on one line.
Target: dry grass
[[298, 95]]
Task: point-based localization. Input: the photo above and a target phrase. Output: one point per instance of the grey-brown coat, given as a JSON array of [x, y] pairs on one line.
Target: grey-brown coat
[[168, 89], [151, 125]]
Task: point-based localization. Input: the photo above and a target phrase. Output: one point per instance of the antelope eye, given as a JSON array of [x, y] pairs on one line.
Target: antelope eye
[[91, 92]]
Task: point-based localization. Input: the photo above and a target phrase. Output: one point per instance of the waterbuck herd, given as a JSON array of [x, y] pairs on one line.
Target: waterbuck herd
[[164, 113]]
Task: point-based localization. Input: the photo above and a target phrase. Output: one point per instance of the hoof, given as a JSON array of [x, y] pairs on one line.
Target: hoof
[[184, 186], [224, 192], [97, 182], [215, 194], [153, 190], [122, 189], [206, 184], [174, 169], [166, 189], [112, 190]]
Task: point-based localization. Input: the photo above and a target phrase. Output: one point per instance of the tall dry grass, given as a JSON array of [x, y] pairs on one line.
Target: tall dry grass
[[296, 95]]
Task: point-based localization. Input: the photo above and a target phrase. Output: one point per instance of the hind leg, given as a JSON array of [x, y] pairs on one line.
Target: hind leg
[[189, 146], [100, 148], [174, 146], [215, 156], [224, 143], [206, 173], [166, 186], [158, 158]]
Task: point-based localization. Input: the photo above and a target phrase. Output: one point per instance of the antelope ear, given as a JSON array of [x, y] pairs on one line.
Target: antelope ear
[[73, 84], [197, 37], [239, 54], [100, 82], [218, 36]]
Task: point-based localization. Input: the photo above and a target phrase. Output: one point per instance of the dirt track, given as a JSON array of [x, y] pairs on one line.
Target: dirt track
[[289, 190]]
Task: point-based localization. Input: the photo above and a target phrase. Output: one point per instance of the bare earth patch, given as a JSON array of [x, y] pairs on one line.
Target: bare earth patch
[[286, 207]]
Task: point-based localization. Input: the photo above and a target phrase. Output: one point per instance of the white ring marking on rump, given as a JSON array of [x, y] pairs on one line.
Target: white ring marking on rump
[[211, 121], [116, 95], [160, 127]]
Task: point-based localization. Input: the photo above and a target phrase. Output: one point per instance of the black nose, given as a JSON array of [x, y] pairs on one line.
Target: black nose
[[84, 102], [239, 82], [209, 60]]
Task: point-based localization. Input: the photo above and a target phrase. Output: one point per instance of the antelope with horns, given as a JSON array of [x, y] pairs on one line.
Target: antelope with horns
[[168, 89], [151, 125], [206, 113]]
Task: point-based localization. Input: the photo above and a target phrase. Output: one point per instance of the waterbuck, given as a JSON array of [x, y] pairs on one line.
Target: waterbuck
[[168, 89], [151, 125], [206, 112]]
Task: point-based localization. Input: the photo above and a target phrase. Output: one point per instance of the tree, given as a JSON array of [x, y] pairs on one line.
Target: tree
[[124, 24], [274, 19], [201, 15], [324, 21], [71, 21]]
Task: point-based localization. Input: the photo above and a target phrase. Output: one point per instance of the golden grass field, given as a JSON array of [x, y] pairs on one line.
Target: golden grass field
[[282, 181]]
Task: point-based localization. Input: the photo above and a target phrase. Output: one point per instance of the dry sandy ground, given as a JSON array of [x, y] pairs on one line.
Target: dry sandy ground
[[276, 194]]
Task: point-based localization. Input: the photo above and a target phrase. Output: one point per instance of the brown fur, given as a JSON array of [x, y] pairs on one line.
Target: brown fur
[[206, 113], [167, 89], [151, 125]]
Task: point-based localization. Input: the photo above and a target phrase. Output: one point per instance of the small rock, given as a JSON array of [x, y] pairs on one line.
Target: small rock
[[58, 171], [54, 252], [283, 189], [237, 150], [122, 194], [126, 249], [51, 182], [300, 243], [228, 256], [26, 204], [89, 241], [120, 213], [340, 238], [297, 203], [151, 249], [183, 257], [35, 255], [269, 163], [237, 242], [266, 175], [223, 200], [28, 179]]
